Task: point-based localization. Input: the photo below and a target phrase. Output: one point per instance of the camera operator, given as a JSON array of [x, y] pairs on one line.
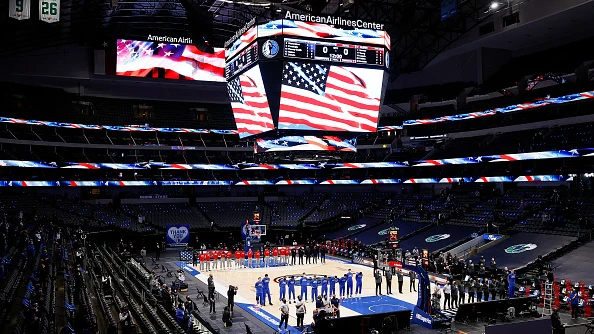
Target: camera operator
[[231, 298]]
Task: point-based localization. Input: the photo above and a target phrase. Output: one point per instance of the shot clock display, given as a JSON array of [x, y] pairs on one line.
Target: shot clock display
[[334, 52], [393, 236]]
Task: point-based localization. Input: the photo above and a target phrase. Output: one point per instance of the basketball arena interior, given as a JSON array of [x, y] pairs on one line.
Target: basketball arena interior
[[296, 166]]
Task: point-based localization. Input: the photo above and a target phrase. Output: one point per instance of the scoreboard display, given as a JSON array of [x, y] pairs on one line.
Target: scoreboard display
[[325, 74], [334, 52], [242, 61]]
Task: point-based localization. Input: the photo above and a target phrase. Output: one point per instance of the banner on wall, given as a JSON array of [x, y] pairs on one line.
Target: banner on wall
[[19, 9], [49, 10], [178, 235]]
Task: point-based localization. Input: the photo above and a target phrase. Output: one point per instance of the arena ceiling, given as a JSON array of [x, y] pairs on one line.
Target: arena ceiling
[[417, 32]]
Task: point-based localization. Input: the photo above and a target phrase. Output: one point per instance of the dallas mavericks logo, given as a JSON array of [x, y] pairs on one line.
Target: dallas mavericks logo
[[521, 248], [383, 232], [357, 227], [178, 234], [437, 237], [270, 48]]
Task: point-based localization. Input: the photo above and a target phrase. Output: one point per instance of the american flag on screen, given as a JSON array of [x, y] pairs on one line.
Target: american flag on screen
[[245, 39], [324, 97], [249, 103], [172, 61]]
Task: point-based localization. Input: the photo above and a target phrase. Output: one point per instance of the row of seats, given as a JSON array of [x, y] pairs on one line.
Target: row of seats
[[340, 202], [166, 214], [63, 107]]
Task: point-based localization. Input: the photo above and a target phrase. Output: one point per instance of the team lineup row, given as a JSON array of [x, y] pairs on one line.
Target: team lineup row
[[239, 259]]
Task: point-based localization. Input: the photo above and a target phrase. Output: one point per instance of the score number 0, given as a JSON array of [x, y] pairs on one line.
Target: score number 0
[[325, 50]]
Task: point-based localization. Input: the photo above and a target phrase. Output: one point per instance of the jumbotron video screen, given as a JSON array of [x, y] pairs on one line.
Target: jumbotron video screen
[[316, 77], [318, 96], [168, 61], [249, 103]]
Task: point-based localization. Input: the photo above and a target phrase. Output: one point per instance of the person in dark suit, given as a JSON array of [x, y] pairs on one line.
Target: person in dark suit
[[501, 288], [412, 277], [400, 277], [378, 283], [479, 292], [471, 290], [486, 291], [388, 282], [492, 290], [454, 295], [462, 293], [231, 298]]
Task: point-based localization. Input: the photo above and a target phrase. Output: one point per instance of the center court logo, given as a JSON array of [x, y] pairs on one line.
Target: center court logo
[[521, 248], [357, 227], [437, 237]]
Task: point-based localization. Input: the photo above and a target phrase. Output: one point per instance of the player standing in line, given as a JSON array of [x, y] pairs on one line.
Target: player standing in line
[[341, 285], [266, 257], [207, 260], [257, 259], [281, 257], [291, 284], [359, 281], [237, 259], [282, 284], [229, 255], [314, 289], [325, 286], [249, 258], [287, 255], [213, 258], [333, 281], [260, 292], [241, 260], [266, 282], [349, 283], [201, 258], [303, 283], [275, 261]]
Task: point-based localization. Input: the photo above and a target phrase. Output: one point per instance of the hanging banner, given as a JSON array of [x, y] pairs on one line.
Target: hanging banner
[[49, 10], [178, 235], [19, 9]]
